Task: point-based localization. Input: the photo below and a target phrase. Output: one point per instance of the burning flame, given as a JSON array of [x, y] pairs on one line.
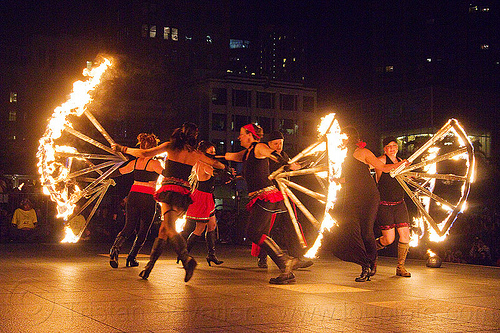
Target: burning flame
[[54, 172], [330, 128], [430, 253]]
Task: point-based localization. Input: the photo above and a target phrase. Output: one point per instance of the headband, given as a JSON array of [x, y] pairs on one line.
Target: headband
[[250, 128]]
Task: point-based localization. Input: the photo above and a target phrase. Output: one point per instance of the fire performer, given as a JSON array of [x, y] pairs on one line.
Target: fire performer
[[282, 222], [202, 211], [140, 206], [392, 212], [357, 205], [265, 199], [175, 193]]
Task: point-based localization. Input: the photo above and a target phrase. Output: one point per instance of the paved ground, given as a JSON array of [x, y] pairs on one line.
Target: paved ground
[[72, 288]]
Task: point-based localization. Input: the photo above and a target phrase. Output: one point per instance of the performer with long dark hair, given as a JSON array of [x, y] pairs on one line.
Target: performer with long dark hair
[[357, 205], [265, 199], [140, 204], [175, 193], [202, 211]]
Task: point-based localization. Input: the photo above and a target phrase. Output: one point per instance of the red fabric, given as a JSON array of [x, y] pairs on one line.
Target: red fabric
[[203, 206], [361, 144], [142, 189], [250, 128], [256, 247], [270, 196]]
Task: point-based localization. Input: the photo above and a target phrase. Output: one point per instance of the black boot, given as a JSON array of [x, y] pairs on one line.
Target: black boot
[[188, 262], [262, 262], [131, 261], [191, 240], [210, 238], [365, 274], [283, 261], [115, 250], [156, 252]]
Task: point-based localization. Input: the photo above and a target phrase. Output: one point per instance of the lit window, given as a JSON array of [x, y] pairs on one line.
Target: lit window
[[389, 69], [12, 116], [166, 32], [209, 40], [485, 47], [485, 9], [152, 31], [473, 9], [429, 59], [175, 34], [89, 64], [13, 97]]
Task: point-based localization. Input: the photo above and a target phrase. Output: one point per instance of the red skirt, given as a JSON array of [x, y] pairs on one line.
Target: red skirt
[[203, 206]]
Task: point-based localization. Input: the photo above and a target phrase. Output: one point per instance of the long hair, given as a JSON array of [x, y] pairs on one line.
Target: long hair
[[146, 141], [184, 137], [204, 145]]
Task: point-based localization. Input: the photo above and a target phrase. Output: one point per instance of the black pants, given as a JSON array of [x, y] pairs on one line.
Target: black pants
[[139, 215], [259, 220]]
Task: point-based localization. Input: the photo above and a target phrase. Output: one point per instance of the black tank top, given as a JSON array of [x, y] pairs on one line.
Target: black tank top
[[389, 188], [177, 170], [255, 171], [144, 175], [207, 185]]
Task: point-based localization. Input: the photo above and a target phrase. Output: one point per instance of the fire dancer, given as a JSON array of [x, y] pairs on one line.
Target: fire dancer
[[140, 205], [357, 205], [392, 211], [202, 211], [282, 222], [265, 199], [175, 193]]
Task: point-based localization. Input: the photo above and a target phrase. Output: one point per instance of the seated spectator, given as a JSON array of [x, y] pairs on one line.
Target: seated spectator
[[24, 222]]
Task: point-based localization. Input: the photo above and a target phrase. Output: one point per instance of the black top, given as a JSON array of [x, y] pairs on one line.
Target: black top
[[206, 185], [143, 175], [389, 188], [177, 170], [255, 170]]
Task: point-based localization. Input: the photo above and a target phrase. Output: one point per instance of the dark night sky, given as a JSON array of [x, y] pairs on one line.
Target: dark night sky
[[335, 31]]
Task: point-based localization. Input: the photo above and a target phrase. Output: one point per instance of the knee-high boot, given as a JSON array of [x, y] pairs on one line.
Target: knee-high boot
[[402, 252], [283, 261], [115, 250], [262, 262], [188, 262], [156, 251], [191, 240], [210, 238], [131, 261]]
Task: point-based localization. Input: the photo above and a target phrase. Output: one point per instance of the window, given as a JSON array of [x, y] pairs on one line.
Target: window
[[220, 147], [12, 115], [288, 126], [89, 64], [218, 122], [485, 47], [175, 34], [309, 128], [238, 44], [288, 102], [219, 96], [241, 98], [152, 31], [166, 32], [266, 124], [308, 104], [238, 122], [265, 100], [13, 97], [144, 30], [389, 69]]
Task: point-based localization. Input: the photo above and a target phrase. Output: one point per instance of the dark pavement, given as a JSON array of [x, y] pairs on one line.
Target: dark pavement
[[72, 288]]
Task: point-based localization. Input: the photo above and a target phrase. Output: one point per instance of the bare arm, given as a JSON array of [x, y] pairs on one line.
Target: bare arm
[[366, 156], [236, 157], [210, 161], [151, 152], [378, 172]]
